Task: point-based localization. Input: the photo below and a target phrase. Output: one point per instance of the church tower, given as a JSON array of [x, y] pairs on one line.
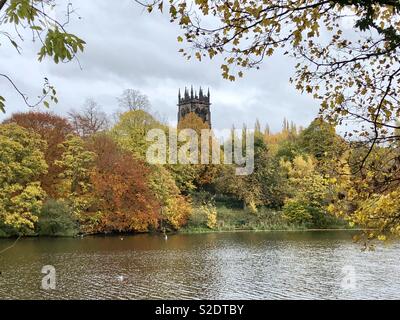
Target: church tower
[[199, 103]]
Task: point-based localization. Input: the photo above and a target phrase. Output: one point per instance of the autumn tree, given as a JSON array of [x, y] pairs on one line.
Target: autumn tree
[[21, 164], [353, 72], [120, 185], [309, 193], [76, 164], [131, 130], [203, 174], [320, 140], [175, 208], [54, 130], [52, 35], [90, 120]]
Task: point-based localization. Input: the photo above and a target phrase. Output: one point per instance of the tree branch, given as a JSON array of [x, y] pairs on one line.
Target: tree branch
[[2, 3], [24, 96]]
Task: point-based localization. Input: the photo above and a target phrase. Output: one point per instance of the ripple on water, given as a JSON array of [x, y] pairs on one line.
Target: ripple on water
[[218, 266]]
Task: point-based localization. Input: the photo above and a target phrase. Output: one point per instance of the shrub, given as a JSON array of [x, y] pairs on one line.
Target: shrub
[[301, 213], [211, 213], [56, 219], [197, 219], [296, 212]]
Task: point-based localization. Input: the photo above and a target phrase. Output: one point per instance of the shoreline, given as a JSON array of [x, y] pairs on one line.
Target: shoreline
[[189, 232]]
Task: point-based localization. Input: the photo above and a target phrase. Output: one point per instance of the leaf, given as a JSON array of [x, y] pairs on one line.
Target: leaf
[[36, 28]]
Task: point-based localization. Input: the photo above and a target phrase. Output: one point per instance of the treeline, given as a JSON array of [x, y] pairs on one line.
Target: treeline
[[81, 175]]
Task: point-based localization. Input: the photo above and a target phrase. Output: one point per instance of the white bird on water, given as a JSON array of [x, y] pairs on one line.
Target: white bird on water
[[165, 237], [120, 278]]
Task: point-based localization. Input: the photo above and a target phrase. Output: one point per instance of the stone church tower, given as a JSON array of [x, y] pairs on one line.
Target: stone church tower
[[199, 103]]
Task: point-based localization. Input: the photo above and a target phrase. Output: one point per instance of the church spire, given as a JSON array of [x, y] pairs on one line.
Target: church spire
[[196, 101], [186, 93]]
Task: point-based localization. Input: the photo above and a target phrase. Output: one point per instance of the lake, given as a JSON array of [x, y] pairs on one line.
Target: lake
[[239, 265]]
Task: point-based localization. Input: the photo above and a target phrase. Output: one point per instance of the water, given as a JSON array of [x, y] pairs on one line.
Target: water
[[244, 265]]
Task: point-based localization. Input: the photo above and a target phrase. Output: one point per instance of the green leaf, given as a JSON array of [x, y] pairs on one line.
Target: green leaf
[[36, 28]]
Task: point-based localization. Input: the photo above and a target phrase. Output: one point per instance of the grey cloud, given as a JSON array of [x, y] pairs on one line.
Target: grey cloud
[[128, 48]]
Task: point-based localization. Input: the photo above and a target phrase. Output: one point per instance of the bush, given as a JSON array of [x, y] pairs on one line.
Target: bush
[[7, 231], [211, 213], [56, 219], [198, 219], [300, 213], [297, 213]]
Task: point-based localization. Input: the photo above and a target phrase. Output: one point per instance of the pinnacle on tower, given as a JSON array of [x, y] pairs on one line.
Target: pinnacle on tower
[[186, 93]]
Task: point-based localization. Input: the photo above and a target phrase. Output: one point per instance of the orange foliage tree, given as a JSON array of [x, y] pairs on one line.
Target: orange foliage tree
[[120, 187]]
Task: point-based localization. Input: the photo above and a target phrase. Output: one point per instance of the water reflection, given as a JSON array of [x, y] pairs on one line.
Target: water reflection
[[245, 265]]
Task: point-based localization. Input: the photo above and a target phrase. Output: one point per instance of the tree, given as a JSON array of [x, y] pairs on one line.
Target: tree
[[76, 163], [249, 188], [56, 42], [203, 175], [175, 208], [54, 130], [131, 130], [309, 193], [320, 140], [90, 120], [192, 121], [133, 100], [21, 163], [354, 73], [120, 185], [56, 219]]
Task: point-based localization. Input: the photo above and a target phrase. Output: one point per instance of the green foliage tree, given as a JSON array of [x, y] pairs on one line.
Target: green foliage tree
[[56, 219], [309, 193]]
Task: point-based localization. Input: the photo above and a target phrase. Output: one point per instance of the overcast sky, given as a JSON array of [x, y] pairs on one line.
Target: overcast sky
[[128, 48]]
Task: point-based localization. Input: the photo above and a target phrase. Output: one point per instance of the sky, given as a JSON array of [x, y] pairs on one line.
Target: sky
[[129, 48]]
